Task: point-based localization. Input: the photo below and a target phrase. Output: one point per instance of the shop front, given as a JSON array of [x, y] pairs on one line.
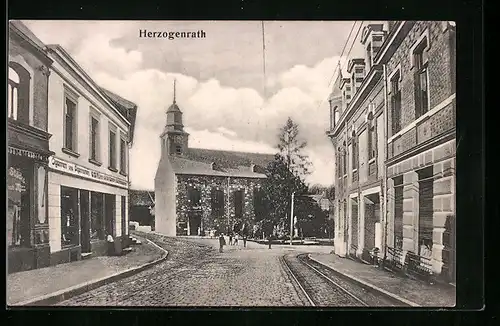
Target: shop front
[[27, 224], [85, 211]]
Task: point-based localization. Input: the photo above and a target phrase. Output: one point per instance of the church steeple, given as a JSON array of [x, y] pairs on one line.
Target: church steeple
[[174, 139]]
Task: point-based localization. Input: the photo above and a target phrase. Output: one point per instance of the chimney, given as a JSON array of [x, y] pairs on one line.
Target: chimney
[[356, 68], [372, 38]]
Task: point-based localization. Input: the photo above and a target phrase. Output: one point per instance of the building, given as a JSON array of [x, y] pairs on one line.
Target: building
[[142, 203], [394, 137], [357, 133], [420, 65], [88, 180], [199, 190], [28, 151]]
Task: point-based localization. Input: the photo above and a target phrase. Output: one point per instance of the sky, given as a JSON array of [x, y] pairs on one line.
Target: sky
[[227, 100]]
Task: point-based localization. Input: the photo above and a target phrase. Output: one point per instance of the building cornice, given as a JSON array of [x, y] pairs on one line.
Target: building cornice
[[41, 52], [63, 57], [392, 41], [373, 77]]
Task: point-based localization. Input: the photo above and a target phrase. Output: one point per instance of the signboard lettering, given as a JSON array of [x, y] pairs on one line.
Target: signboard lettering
[[82, 171]]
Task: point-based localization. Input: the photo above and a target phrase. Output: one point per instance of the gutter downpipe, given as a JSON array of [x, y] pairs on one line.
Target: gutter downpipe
[[384, 181]]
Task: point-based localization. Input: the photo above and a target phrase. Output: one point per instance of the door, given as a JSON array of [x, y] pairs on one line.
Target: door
[[124, 216], [109, 214], [85, 220]]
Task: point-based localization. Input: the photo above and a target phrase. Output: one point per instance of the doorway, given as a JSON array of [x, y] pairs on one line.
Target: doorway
[[372, 216], [109, 214], [85, 218], [194, 223]]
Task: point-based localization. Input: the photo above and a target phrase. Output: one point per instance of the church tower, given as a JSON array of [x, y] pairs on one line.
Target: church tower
[[174, 140]]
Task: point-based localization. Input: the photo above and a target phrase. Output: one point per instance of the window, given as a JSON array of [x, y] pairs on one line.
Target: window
[[69, 217], [112, 150], [395, 104], [348, 97], [178, 149], [372, 137], [348, 88], [425, 211], [398, 212], [421, 82], [19, 180], [124, 215], [355, 152], [344, 160], [238, 203], [217, 201], [123, 156], [94, 139], [97, 216], [259, 204], [13, 90], [18, 106], [359, 70], [70, 132]]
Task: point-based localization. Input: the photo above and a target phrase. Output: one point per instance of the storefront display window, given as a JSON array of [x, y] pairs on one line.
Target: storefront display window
[[69, 217], [19, 203], [97, 216], [42, 195]]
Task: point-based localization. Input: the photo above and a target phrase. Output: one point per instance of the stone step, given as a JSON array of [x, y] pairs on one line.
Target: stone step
[[86, 255]]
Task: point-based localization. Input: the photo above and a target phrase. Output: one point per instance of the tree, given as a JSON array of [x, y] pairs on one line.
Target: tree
[[277, 192], [291, 149], [310, 218]]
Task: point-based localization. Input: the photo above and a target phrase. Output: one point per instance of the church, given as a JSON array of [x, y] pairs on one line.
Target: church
[[198, 191]]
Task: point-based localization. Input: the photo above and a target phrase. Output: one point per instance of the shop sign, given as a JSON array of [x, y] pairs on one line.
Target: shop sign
[[81, 171]]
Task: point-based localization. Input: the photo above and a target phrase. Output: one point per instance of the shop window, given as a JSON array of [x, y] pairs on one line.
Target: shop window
[[110, 213], [70, 227], [18, 93], [124, 214], [19, 182], [97, 216]]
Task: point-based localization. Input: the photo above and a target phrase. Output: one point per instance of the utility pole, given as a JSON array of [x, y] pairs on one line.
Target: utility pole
[[291, 220]]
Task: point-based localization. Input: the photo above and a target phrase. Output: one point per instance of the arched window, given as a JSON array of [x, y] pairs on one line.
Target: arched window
[[14, 81], [18, 93]]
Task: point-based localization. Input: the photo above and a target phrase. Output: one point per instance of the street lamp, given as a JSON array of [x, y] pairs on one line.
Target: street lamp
[[291, 220]]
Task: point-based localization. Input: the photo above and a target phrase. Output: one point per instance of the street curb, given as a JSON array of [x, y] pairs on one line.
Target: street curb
[[380, 291], [61, 295]]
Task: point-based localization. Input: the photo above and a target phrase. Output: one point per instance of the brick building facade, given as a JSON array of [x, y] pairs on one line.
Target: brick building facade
[[396, 187]]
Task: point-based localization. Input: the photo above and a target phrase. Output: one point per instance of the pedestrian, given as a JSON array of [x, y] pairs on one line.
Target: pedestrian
[[244, 241], [269, 240], [236, 239], [222, 242], [230, 239]]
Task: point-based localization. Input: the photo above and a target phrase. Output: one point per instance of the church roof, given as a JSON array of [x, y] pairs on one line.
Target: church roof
[[226, 163], [174, 108]]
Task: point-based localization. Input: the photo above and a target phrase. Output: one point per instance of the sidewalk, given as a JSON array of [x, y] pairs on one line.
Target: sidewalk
[[413, 292], [55, 283]]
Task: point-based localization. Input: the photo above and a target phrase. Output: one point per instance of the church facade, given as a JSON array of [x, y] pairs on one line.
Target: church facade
[[200, 190]]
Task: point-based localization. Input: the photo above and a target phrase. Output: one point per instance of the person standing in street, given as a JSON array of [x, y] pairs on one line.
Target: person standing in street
[[236, 239], [230, 239], [244, 241], [222, 242], [269, 240]]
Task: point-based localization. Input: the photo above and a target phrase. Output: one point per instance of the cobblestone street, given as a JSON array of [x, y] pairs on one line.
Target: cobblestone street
[[196, 274]]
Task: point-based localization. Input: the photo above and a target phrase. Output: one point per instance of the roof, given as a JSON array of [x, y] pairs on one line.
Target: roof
[[22, 30], [68, 60], [141, 197], [174, 108], [126, 108], [226, 163]]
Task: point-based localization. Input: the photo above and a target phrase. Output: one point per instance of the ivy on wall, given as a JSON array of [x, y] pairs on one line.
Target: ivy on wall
[[205, 185]]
